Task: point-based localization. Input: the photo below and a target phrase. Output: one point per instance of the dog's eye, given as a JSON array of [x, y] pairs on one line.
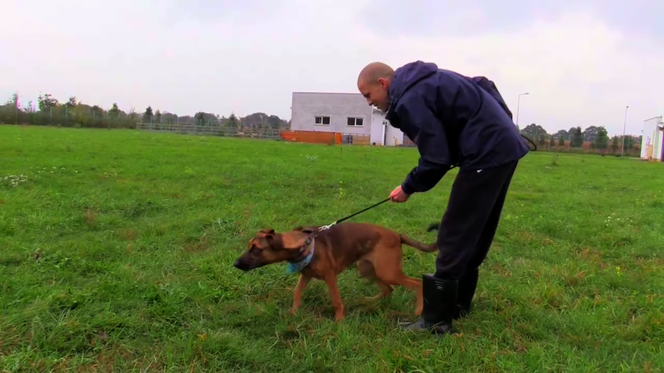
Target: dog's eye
[[255, 251]]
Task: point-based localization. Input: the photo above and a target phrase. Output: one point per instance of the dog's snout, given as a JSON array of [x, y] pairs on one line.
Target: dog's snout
[[239, 264]]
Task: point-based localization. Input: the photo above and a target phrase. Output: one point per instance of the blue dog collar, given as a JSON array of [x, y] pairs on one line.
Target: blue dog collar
[[298, 266]]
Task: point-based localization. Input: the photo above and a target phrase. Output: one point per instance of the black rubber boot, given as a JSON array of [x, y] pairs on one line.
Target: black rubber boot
[[440, 304], [467, 286]]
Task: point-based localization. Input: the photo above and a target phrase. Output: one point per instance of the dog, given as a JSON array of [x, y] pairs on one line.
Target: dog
[[324, 254]]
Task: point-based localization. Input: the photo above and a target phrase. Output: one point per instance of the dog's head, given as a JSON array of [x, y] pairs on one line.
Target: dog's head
[[269, 247]]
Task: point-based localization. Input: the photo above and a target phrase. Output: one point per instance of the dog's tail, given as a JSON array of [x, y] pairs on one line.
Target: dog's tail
[[427, 248]]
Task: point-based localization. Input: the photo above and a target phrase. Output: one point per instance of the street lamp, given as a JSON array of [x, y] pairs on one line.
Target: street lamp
[[622, 147], [518, 102]]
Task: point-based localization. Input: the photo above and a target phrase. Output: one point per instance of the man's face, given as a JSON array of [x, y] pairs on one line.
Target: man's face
[[376, 93]]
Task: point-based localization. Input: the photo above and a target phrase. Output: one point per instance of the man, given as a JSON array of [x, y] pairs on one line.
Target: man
[[455, 121]]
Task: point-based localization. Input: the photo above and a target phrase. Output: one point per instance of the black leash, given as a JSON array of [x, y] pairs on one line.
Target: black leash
[[355, 214], [387, 199], [534, 148]]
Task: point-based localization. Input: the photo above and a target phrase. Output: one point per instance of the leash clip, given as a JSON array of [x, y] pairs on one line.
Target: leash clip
[[326, 227]]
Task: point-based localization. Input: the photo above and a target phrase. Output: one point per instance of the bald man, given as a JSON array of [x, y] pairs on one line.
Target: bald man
[[455, 121]]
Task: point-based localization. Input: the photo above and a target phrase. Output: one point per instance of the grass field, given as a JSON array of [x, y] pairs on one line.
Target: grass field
[[116, 252]]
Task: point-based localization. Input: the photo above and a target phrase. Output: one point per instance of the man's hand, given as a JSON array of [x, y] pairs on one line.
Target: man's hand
[[398, 195]]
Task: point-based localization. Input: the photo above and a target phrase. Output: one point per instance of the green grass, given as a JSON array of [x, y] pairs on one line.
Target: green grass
[[116, 252]]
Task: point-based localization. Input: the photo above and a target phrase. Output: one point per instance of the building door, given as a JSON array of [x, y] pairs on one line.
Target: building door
[[377, 136], [393, 136]]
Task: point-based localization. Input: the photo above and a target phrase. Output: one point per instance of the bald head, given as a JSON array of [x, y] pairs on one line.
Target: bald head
[[373, 82], [374, 71]]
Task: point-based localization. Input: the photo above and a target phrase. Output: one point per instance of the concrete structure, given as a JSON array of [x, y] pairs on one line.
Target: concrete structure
[[345, 113], [652, 143]]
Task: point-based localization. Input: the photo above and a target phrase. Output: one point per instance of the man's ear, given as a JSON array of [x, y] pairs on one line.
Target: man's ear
[[293, 240]]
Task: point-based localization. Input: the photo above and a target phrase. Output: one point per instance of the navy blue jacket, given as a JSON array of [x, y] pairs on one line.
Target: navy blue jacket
[[453, 120]]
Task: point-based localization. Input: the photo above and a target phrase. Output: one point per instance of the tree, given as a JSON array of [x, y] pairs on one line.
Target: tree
[[199, 117], [534, 131], [133, 115], [542, 139], [590, 133], [114, 112], [576, 137], [629, 142], [169, 117], [157, 116], [13, 101], [15, 106], [615, 144], [31, 108], [561, 140], [205, 119], [232, 121], [72, 102], [46, 102], [562, 134], [602, 138], [147, 116], [552, 142]]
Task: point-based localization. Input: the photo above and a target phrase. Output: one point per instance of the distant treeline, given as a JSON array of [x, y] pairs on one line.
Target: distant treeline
[[593, 138], [73, 113]]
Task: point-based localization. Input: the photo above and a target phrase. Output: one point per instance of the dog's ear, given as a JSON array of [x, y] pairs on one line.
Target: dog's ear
[[268, 234], [303, 229], [293, 240]]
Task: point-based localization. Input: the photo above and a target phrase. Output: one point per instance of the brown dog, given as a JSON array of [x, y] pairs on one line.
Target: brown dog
[[326, 253]]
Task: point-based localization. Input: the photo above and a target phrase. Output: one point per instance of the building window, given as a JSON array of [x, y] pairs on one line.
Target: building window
[[322, 121], [356, 122]]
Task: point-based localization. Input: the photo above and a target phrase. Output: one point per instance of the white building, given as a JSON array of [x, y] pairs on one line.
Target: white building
[[344, 113], [653, 141]]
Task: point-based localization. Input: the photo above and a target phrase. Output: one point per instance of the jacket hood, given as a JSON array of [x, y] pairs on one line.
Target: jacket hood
[[405, 77]]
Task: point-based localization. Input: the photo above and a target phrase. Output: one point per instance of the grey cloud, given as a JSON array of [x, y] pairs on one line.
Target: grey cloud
[[478, 17], [248, 11]]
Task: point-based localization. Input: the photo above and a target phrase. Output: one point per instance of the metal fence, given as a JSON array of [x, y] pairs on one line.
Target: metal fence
[[355, 139], [248, 132], [211, 130]]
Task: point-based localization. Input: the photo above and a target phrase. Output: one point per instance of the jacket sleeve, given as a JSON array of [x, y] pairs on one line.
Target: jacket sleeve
[[422, 126]]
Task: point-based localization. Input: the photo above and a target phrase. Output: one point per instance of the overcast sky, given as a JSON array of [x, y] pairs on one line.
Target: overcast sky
[[581, 61]]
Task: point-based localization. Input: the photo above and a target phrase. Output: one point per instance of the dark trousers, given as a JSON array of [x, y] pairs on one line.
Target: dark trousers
[[471, 219]]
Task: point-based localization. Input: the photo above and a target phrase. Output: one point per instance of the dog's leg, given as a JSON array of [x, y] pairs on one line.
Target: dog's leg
[[412, 284], [416, 286], [366, 269], [388, 270], [299, 289], [385, 290], [331, 281]]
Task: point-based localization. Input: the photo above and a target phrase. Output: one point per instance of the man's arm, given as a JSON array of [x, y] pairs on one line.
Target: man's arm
[[428, 133]]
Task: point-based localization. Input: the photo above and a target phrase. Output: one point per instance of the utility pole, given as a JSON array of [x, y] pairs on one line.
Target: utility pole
[[622, 147], [518, 102]]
